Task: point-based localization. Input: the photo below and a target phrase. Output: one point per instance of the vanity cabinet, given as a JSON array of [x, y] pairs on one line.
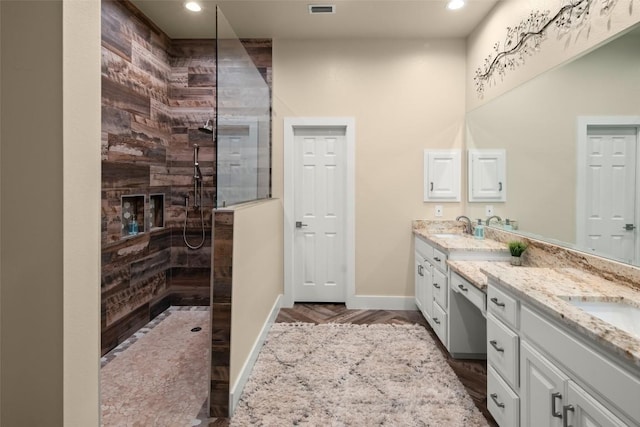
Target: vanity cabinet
[[542, 371], [432, 287]]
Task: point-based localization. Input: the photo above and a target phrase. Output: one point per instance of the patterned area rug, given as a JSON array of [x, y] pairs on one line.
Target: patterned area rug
[[353, 375]]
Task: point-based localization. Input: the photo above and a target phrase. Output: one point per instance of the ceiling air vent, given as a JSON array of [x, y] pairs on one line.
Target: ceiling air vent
[[315, 9]]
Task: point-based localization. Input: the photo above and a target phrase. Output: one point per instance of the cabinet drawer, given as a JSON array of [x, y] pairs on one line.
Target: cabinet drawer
[[503, 306], [503, 350], [439, 259], [473, 294], [502, 402], [440, 288], [439, 322], [425, 249]]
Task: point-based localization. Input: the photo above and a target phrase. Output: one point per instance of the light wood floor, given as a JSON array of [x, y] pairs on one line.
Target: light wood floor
[[472, 373]]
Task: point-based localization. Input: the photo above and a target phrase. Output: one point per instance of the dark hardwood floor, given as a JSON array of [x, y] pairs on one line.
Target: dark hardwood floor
[[472, 373]]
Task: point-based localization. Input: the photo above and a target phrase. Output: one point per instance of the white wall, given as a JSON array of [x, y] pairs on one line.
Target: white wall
[[554, 51], [257, 275], [405, 96], [50, 220]]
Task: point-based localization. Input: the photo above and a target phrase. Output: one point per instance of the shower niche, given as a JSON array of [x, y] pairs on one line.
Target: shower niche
[[132, 214], [156, 211], [138, 218]]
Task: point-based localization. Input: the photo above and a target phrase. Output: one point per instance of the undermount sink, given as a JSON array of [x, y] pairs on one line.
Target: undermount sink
[[619, 314], [446, 235]]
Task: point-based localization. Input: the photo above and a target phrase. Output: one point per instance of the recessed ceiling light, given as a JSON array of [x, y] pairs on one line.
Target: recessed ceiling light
[[193, 6], [455, 4]]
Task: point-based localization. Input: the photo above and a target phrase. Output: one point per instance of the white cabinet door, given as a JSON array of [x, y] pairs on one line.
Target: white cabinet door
[[442, 175], [420, 276], [427, 291], [542, 390], [582, 410], [487, 175]]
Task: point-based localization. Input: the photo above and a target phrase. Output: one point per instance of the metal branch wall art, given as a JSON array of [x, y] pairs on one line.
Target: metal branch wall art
[[526, 38]]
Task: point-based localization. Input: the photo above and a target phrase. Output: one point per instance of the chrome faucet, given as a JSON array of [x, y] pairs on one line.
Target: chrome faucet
[[492, 217], [467, 226]]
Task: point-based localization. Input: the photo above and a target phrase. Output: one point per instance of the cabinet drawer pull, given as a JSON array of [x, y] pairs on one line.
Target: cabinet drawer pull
[[463, 288], [565, 410], [420, 268], [435, 285], [437, 259], [496, 302], [435, 319], [555, 412], [494, 344], [494, 397]]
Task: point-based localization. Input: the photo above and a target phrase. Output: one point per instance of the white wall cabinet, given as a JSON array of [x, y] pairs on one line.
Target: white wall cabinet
[[442, 175], [487, 175]]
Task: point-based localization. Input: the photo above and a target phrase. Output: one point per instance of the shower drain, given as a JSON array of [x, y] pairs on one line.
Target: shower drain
[[196, 329]]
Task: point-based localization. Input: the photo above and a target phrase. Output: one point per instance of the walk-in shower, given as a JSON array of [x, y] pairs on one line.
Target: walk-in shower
[[197, 194]]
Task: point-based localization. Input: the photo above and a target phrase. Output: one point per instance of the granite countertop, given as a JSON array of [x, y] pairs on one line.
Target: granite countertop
[[548, 290], [462, 242], [472, 271]]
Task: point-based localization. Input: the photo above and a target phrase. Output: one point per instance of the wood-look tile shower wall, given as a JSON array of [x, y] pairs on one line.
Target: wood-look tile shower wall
[[156, 92]]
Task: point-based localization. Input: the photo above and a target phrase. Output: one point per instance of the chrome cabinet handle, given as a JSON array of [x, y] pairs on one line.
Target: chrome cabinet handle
[[496, 302], [554, 411], [299, 224], [435, 285], [565, 410], [499, 186], [435, 319], [431, 187], [435, 258], [463, 288], [494, 344], [420, 268], [494, 397]]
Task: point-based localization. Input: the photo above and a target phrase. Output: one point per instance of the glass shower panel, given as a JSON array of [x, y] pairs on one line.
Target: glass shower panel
[[243, 130]]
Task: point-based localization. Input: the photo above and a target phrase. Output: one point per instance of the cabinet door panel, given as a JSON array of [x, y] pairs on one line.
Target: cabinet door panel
[[542, 391], [442, 175], [587, 412]]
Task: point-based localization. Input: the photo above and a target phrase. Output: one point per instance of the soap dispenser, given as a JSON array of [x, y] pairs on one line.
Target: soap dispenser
[[133, 226], [478, 233]]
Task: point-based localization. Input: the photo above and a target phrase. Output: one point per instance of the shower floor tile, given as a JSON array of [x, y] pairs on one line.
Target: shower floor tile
[[159, 376]]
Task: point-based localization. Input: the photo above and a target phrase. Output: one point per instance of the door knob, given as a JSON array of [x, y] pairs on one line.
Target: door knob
[[629, 227], [299, 224]]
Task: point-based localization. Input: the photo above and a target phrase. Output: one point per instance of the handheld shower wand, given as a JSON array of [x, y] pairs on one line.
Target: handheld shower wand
[[197, 200]]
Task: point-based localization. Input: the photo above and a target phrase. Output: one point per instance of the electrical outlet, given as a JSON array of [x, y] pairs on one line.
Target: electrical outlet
[[488, 210], [438, 210]]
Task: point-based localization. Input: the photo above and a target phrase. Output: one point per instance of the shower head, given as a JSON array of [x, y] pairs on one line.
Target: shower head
[[207, 128]]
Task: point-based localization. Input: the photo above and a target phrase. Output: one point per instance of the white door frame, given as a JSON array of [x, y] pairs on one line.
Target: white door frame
[[583, 123], [290, 123]]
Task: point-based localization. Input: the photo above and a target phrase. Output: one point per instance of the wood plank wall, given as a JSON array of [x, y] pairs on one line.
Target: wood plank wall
[[156, 92]]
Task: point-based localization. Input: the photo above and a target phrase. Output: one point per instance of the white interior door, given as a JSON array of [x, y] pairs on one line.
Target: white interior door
[[319, 255], [610, 200], [237, 160]]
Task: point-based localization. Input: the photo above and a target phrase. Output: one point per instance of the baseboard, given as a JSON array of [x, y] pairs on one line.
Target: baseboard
[[375, 302], [236, 390]]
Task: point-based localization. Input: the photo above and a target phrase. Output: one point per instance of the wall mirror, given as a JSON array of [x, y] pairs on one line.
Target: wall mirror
[[570, 136]]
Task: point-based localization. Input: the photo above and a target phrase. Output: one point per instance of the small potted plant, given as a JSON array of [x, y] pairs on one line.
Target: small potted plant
[[516, 247]]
